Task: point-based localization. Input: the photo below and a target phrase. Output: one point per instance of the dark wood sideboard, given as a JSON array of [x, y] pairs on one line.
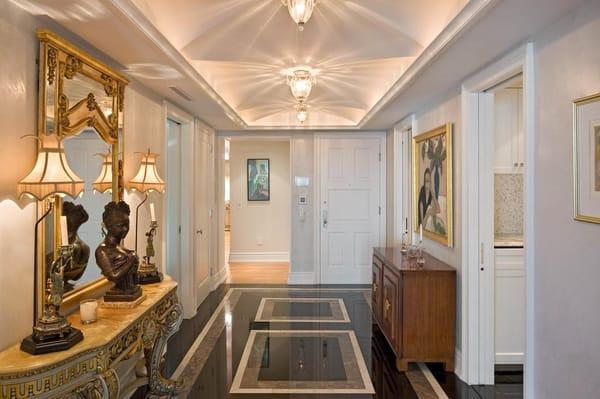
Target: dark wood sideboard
[[415, 307]]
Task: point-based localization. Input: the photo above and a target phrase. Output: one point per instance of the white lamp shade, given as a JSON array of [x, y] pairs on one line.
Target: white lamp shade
[[301, 11], [104, 181], [147, 178], [301, 83], [51, 173], [301, 112]]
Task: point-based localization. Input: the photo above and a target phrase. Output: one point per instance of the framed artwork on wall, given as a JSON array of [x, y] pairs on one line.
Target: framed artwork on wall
[[432, 184], [259, 180], [586, 158]]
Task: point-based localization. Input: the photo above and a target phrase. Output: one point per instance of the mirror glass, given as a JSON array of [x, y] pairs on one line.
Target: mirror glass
[[84, 154]]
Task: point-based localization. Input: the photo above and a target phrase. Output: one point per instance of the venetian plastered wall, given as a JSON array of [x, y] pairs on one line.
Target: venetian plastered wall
[[567, 266], [18, 112], [447, 108]]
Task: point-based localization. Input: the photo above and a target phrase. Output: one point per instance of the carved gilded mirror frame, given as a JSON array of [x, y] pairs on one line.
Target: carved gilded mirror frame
[[61, 61]]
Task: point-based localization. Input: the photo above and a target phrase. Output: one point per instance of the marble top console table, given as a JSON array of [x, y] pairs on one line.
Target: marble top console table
[[119, 353]]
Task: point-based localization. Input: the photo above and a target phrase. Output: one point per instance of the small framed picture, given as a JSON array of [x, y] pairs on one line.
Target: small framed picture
[[259, 180], [586, 158], [432, 184]]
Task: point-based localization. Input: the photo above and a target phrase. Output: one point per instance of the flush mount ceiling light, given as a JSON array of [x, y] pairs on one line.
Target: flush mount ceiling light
[[301, 81], [301, 112], [300, 10]]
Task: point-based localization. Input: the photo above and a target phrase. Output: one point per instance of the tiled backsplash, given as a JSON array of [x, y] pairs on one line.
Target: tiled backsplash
[[508, 208]]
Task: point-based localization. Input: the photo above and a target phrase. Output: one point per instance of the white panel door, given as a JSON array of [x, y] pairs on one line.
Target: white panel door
[[350, 209], [173, 225], [201, 208]]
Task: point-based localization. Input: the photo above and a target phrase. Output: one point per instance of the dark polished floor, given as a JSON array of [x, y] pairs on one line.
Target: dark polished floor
[[308, 342]]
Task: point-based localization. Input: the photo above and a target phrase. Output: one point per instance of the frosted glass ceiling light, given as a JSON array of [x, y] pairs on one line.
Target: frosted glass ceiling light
[[301, 112], [300, 10], [301, 82]]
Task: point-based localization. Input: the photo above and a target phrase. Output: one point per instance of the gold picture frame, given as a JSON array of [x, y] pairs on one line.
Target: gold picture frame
[[586, 159], [432, 184]]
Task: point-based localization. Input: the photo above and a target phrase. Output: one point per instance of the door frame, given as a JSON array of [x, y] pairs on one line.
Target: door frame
[[403, 132], [318, 137], [476, 359], [220, 204], [186, 287]]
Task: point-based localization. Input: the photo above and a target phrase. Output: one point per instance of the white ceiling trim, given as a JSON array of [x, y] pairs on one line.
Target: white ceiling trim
[[465, 18]]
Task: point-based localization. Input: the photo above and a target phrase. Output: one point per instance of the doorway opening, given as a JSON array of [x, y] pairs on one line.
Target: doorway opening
[[256, 209], [497, 216], [509, 246]]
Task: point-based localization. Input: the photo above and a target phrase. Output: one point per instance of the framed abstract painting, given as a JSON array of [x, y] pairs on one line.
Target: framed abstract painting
[[432, 184], [259, 180], [586, 158]]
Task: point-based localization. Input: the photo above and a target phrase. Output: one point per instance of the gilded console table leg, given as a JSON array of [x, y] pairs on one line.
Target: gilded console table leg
[[155, 337]]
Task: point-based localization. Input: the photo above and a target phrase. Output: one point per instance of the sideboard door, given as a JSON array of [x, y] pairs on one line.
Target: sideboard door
[[390, 308]]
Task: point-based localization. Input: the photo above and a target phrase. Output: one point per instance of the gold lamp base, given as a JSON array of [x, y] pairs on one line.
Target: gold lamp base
[[148, 273]]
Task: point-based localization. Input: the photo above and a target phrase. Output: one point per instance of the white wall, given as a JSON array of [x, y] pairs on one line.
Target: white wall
[[567, 270], [260, 231]]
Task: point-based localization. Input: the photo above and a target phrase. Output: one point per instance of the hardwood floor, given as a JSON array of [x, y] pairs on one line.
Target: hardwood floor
[[258, 273], [255, 273]]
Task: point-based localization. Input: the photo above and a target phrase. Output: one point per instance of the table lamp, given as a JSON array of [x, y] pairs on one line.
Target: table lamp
[[105, 180], [51, 178], [145, 181]]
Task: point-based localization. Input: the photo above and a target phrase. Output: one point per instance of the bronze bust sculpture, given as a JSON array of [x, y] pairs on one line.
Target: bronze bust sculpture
[[76, 216], [118, 264]]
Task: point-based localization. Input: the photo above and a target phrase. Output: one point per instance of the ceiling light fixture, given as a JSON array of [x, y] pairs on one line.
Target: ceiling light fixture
[[300, 10], [301, 82], [301, 112]]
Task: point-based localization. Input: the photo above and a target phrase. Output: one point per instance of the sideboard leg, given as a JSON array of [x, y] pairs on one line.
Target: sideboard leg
[[155, 337], [449, 366], [402, 365]]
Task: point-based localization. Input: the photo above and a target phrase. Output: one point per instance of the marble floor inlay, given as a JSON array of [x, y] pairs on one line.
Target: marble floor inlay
[[276, 361], [291, 343], [313, 310]]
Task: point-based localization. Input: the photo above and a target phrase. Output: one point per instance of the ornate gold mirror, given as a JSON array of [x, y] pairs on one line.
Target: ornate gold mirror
[[80, 102]]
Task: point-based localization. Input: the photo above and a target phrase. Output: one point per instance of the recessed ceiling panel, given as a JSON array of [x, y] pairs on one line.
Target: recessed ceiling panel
[[359, 49]]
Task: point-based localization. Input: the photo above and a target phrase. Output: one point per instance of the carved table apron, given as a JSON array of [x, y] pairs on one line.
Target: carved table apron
[[89, 369]]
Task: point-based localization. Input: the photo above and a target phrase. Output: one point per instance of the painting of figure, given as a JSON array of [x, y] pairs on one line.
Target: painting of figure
[[432, 164], [259, 180]]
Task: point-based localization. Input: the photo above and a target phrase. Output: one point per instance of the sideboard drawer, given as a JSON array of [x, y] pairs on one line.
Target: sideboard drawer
[[390, 311]]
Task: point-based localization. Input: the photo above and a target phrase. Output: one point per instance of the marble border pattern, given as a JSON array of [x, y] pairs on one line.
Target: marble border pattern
[[365, 386], [338, 309]]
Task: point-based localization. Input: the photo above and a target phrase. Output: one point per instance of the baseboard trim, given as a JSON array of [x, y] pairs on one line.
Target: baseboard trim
[[510, 358], [252, 257], [301, 278], [219, 278], [458, 364]]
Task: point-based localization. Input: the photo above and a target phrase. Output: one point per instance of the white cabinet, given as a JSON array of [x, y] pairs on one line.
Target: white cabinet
[[509, 140], [509, 305]]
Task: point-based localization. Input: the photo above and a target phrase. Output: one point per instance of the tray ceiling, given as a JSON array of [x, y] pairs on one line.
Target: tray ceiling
[[242, 49]]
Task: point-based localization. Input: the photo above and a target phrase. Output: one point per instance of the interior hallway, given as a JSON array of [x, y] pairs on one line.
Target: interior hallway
[[254, 273]]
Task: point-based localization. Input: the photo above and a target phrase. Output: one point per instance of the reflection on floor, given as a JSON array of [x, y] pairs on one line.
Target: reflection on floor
[[283, 342]]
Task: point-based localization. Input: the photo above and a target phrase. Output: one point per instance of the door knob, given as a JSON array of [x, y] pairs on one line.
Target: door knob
[[199, 232], [324, 219]]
